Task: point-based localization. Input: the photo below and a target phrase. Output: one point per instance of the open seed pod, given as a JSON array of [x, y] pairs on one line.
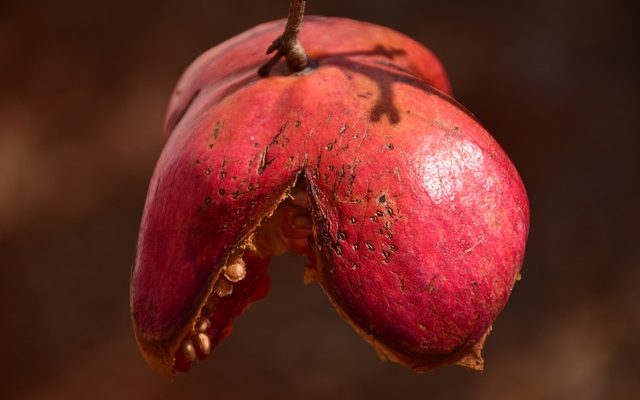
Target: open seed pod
[[412, 216]]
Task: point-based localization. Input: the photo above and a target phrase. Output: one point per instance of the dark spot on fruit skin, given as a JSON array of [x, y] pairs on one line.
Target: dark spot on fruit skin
[[379, 213], [207, 200], [374, 218], [393, 247], [369, 246], [343, 129], [345, 147], [264, 162], [342, 235], [389, 146], [235, 194], [331, 167], [218, 129], [330, 146], [221, 192], [382, 198], [223, 174], [353, 220], [356, 246], [297, 124], [389, 211], [207, 171]]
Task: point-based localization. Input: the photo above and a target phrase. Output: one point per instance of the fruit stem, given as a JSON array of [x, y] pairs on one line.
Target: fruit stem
[[288, 44]]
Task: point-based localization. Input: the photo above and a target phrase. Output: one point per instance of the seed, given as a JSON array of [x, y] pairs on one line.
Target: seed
[[223, 288], [237, 271], [203, 325], [189, 350], [204, 344]]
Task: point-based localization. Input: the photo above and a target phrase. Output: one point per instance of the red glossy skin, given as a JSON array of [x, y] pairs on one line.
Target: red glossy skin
[[420, 219]]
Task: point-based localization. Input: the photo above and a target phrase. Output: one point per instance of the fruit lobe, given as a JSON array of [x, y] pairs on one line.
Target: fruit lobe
[[419, 219]]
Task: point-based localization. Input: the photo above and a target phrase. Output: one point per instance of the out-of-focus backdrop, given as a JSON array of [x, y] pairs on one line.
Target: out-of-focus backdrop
[[83, 89]]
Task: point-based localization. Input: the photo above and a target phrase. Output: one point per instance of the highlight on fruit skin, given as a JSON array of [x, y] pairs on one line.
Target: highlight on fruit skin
[[413, 218]]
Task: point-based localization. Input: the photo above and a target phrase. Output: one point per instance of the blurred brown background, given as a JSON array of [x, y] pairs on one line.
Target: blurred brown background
[[83, 89]]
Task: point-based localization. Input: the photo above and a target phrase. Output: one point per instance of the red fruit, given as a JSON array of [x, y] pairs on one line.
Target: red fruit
[[413, 218]]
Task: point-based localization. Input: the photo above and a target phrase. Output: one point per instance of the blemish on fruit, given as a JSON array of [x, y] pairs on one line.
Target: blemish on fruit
[[217, 129], [338, 249]]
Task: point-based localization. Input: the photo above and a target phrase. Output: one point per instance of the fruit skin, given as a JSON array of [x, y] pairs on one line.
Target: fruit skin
[[420, 219]]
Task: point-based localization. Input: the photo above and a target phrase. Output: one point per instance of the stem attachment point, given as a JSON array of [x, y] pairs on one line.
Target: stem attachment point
[[288, 44]]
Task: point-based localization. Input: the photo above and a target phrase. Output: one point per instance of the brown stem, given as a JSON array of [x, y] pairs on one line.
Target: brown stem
[[288, 44]]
